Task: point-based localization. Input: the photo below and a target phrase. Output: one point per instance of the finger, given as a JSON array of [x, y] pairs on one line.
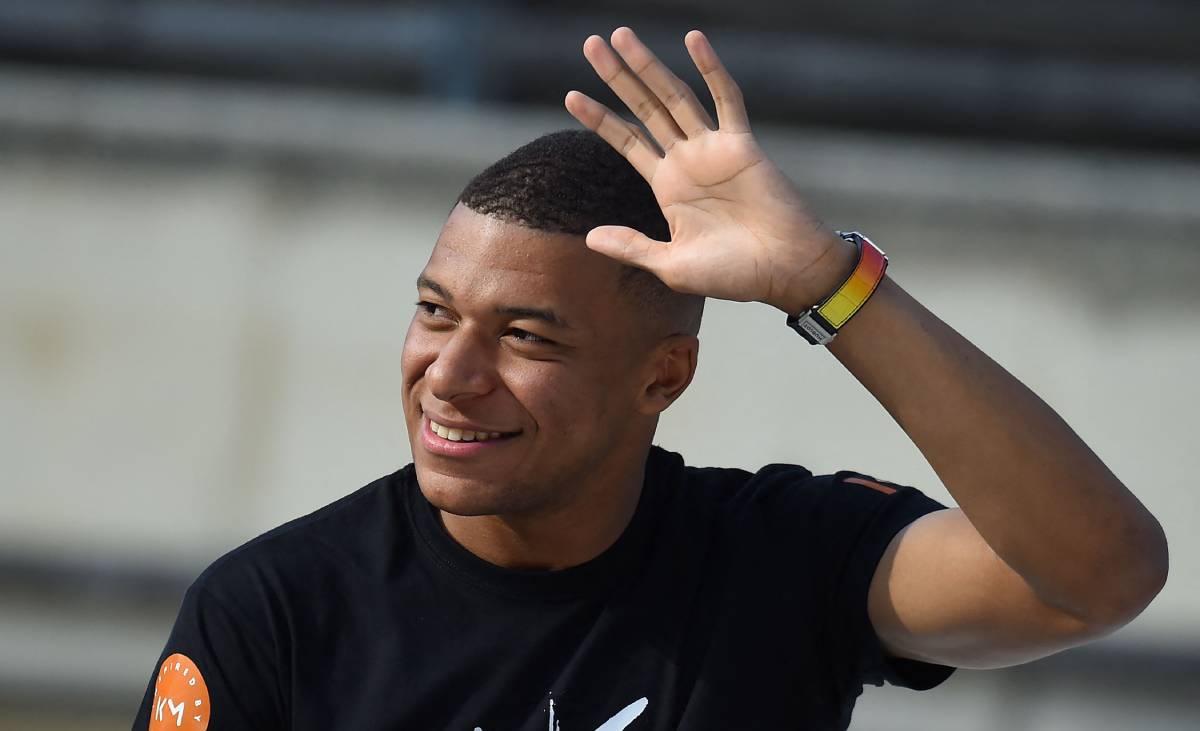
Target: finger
[[731, 109], [629, 246], [623, 136], [630, 89], [676, 96]]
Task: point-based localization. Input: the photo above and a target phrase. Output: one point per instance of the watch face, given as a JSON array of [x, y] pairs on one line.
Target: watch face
[[180, 696]]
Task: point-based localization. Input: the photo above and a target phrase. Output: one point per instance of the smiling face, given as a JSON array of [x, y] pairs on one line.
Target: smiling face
[[528, 381]]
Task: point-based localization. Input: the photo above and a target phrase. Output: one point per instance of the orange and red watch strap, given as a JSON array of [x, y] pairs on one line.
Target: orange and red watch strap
[[820, 323]]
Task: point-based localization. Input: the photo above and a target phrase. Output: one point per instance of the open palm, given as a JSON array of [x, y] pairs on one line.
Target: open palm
[[739, 229]]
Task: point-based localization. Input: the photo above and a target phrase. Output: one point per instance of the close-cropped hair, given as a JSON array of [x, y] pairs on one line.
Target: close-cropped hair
[[570, 182]]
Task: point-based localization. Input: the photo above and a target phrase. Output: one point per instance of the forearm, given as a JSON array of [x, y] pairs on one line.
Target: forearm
[[1042, 500]]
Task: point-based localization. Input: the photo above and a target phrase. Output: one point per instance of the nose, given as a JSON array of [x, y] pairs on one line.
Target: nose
[[462, 369]]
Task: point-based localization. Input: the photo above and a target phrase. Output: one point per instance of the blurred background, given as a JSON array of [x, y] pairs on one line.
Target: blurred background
[[212, 213]]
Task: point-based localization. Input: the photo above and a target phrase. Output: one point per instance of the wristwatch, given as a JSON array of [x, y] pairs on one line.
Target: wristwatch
[[820, 323]]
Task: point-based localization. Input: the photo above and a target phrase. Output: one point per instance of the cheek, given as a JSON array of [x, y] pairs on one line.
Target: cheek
[[420, 350], [563, 398], [547, 391]]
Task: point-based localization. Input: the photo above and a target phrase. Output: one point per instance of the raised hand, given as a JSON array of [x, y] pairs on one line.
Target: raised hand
[[739, 229]]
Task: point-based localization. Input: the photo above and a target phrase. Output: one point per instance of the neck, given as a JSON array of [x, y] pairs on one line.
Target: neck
[[559, 537]]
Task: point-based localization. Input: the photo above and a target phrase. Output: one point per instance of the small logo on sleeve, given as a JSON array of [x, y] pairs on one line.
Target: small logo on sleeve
[[879, 487], [180, 696]]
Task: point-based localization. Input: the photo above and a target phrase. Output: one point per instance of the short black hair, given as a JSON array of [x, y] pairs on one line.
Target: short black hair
[[572, 181]]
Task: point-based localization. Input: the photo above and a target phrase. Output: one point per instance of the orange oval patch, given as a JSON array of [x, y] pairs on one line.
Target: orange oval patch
[[180, 696]]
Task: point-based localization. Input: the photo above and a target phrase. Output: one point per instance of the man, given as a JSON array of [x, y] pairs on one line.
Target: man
[[540, 565]]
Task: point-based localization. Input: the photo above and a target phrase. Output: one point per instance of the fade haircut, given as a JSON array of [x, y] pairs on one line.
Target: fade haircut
[[570, 182]]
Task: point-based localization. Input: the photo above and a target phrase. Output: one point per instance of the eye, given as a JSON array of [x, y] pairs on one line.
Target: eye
[[527, 337], [432, 309]]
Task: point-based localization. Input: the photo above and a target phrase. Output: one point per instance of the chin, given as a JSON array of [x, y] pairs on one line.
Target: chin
[[463, 495]]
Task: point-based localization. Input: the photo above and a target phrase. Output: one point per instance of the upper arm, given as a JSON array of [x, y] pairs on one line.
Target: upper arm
[[940, 594], [216, 672]]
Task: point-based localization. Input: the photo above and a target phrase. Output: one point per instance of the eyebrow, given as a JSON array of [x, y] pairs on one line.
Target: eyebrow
[[548, 316], [424, 282]]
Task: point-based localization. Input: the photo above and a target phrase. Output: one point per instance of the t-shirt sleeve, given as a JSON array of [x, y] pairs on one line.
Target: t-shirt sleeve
[[216, 673], [861, 516]]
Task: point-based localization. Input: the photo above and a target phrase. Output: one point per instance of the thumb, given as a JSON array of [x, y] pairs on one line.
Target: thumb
[[628, 246]]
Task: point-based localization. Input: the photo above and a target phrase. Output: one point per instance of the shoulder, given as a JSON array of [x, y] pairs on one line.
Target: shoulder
[[736, 488], [790, 496], [350, 530], [790, 483]]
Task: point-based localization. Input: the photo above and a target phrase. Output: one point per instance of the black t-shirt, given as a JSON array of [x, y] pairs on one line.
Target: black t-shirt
[[731, 601]]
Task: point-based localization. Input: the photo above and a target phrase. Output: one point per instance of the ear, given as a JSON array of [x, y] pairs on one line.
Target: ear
[[669, 370]]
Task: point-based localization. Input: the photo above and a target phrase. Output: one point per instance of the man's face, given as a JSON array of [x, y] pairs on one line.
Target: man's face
[[522, 367]]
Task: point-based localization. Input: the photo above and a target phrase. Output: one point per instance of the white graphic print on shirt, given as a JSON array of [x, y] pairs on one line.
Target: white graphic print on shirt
[[621, 721]]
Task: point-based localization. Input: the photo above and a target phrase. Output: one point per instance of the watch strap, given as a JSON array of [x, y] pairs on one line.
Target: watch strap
[[820, 323]]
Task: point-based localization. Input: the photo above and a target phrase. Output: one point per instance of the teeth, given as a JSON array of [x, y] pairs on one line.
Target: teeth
[[461, 435]]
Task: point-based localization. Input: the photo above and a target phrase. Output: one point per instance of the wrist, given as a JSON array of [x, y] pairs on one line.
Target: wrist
[[818, 280], [821, 322]]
